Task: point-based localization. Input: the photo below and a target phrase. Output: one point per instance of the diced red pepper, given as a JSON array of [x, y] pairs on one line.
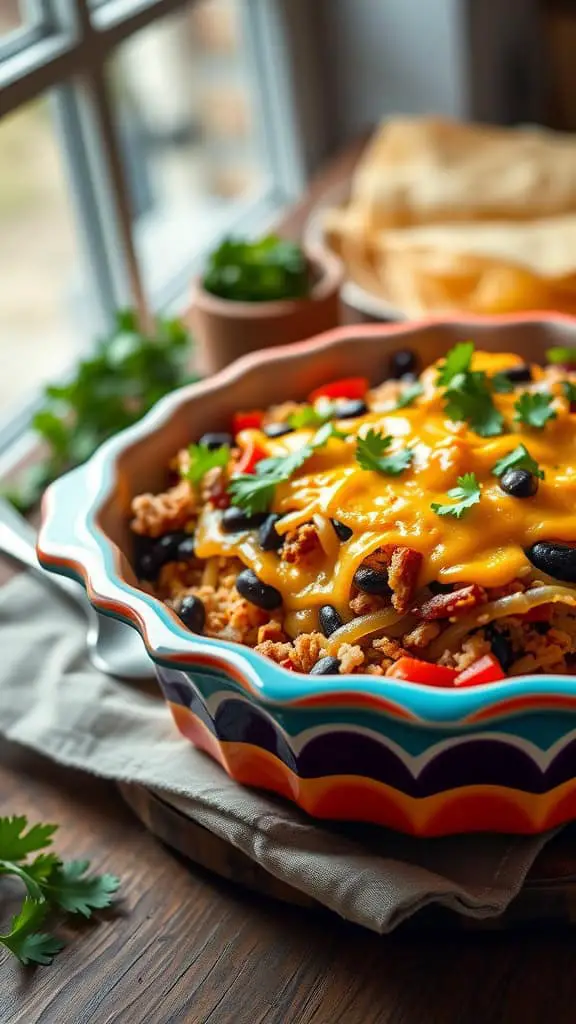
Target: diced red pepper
[[416, 671], [247, 420], [486, 670], [348, 387], [541, 613], [249, 458], [286, 663]]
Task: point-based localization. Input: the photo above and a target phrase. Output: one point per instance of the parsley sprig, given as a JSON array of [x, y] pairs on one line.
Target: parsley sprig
[[520, 458], [534, 408], [254, 492], [50, 885], [371, 454], [467, 393], [466, 494]]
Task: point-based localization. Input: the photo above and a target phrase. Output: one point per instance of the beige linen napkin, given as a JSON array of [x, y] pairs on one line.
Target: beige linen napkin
[[53, 701]]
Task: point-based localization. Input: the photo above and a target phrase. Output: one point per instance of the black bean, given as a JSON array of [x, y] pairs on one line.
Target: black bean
[[541, 627], [147, 566], [192, 613], [277, 429], [234, 520], [268, 537], [326, 667], [186, 548], [168, 546], [500, 646], [150, 557], [371, 581], [342, 531], [519, 483], [519, 374], [329, 619], [401, 362], [556, 560], [215, 440], [350, 409], [256, 592]]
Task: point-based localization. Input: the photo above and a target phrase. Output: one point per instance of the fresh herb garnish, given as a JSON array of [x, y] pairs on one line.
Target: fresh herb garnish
[[50, 885], [202, 459], [310, 416], [262, 271], [520, 458], [534, 408], [254, 492], [126, 375], [467, 396], [370, 454], [567, 356], [466, 494], [569, 390], [408, 395], [501, 384]]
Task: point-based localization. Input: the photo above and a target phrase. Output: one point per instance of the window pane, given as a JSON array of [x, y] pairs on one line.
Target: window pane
[[188, 131], [38, 258]]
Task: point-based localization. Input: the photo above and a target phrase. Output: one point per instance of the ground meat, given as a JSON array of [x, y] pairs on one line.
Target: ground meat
[[378, 670], [301, 544], [272, 631], [176, 578], [514, 587], [351, 657], [308, 648], [389, 648], [474, 647], [403, 577], [364, 604], [214, 487], [445, 606], [156, 514], [277, 652], [421, 635]]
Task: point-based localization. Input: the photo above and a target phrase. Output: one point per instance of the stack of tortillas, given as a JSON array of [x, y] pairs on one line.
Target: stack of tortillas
[[446, 216]]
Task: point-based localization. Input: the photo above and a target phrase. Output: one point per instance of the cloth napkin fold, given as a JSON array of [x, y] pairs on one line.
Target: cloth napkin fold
[[54, 701]]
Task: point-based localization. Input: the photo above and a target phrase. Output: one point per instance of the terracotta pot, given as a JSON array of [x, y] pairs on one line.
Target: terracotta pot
[[224, 330]]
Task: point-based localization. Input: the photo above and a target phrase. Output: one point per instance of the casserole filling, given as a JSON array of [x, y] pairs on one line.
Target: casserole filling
[[422, 528]]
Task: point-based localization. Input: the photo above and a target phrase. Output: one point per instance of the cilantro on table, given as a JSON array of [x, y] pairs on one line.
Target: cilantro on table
[[534, 408], [569, 390], [254, 492], [467, 394], [126, 375], [466, 494], [267, 270], [408, 395], [202, 459], [371, 454], [51, 885], [520, 458], [562, 355]]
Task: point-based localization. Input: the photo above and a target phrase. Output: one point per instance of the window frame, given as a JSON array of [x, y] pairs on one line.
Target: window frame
[[64, 53]]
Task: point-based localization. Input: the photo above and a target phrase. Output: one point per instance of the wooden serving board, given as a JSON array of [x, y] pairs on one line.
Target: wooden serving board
[[548, 897]]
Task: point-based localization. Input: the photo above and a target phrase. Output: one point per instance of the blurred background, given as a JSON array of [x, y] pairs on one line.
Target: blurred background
[[134, 135]]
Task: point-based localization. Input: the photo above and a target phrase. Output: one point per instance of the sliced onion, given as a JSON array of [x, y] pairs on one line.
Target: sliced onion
[[210, 573], [363, 625], [327, 536], [513, 604]]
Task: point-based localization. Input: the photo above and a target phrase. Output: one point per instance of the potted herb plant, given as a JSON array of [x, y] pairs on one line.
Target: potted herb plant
[[256, 294]]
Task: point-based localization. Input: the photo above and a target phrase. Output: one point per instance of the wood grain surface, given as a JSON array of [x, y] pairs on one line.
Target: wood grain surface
[[183, 947]]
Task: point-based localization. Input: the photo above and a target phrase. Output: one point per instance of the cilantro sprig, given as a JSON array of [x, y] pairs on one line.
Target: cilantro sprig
[[50, 885], [501, 384], [410, 393], [202, 459], [562, 355], [519, 458], [569, 390], [254, 492], [467, 394], [371, 454], [310, 416], [534, 409], [464, 496]]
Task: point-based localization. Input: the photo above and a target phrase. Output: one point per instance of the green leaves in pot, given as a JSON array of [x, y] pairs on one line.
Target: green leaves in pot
[[268, 270]]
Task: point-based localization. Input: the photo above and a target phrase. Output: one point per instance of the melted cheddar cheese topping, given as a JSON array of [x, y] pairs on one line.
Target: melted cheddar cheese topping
[[485, 546]]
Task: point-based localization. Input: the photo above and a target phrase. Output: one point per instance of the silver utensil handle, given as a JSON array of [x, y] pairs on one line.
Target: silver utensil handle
[[18, 541]]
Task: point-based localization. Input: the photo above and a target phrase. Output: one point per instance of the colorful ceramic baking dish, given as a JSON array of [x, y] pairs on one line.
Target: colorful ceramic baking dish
[[429, 761]]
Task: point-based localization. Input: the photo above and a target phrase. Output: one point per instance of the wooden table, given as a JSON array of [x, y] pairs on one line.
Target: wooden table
[[185, 947]]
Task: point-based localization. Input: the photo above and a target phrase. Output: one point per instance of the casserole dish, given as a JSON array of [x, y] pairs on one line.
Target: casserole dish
[[425, 760]]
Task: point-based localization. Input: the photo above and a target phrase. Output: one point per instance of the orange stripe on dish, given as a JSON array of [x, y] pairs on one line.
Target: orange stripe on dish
[[356, 798], [514, 705]]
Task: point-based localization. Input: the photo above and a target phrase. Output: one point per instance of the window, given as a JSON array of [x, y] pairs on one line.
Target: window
[[133, 134]]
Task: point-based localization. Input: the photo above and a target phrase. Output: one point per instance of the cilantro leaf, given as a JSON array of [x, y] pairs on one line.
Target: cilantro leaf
[[457, 361], [534, 409], [569, 390], [70, 888], [501, 384], [202, 459], [310, 416], [253, 493], [466, 494], [561, 355], [323, 435], [520, 458], [16, 843], [370, 454], [468, 398], [24, 942], [408, 395]]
